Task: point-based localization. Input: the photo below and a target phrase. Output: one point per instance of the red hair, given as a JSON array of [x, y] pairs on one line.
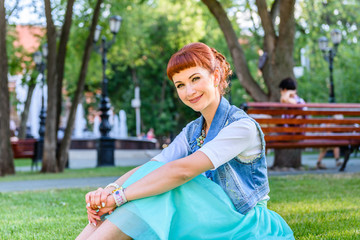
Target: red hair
[[199, 54]]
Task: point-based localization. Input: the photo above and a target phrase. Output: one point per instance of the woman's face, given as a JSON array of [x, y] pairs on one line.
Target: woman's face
[[196, 88]]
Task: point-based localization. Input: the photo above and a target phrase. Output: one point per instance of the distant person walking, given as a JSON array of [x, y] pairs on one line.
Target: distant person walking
[[323, 151]]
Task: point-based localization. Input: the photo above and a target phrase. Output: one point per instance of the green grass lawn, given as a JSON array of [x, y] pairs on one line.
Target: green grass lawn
[[22, 162], [315, 207]]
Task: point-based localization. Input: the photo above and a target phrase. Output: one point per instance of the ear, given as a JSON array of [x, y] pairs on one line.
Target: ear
[[216, 77]]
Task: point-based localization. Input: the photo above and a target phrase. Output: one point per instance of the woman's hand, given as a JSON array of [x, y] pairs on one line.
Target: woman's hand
[[97, 199], [95, 213]]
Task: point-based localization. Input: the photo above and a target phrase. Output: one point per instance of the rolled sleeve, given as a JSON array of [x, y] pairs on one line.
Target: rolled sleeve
[[238, 138]]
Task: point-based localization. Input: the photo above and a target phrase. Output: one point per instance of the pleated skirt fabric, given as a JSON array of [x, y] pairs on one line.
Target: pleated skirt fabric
[[198, 209]]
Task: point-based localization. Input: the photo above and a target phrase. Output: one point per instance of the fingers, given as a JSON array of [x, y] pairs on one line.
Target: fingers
[[93, 211], [96, 199], [103, 198], [92, 220], [93, 216]]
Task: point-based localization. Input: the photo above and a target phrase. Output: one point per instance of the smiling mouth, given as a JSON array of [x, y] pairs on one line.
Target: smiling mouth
[[195, 100]]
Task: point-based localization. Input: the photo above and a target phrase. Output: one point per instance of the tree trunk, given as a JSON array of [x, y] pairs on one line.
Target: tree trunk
[[25, 113], [65, 143], [50, 139], [55, 74], [6, 156], [287, 158], [61, 57], [279, 62], [236, 51]]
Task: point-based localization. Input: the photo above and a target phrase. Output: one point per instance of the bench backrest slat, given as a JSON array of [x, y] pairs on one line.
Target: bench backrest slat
[[300, 121], [266, 129], [303, 112], [303, 137], [307, 125], [309, 105]]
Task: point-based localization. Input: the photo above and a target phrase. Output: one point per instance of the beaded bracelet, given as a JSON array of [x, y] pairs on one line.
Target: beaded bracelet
[[115, 185], [119, 196]]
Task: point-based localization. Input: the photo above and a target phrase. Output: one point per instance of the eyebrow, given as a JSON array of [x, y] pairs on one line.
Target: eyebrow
[[193, 75], [189, 77]]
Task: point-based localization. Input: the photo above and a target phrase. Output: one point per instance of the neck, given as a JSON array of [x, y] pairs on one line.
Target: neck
[[209, 114]]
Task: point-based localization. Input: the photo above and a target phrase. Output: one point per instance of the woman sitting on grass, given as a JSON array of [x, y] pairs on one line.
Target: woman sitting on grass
[[209, 183]]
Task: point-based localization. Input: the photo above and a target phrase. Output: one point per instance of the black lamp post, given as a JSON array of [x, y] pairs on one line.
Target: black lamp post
[[106, 144], [329, 55], [39, 59]]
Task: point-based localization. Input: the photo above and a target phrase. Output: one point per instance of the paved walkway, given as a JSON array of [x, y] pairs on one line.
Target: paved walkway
[[82, 159]]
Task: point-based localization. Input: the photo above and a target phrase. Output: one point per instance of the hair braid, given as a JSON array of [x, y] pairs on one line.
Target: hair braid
[[225, 70]]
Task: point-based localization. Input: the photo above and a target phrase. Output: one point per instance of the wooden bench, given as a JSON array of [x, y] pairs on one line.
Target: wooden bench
[[309, 125], [25, 148]]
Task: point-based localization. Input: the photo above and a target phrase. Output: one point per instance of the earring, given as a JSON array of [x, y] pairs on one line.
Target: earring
[[216, 85]]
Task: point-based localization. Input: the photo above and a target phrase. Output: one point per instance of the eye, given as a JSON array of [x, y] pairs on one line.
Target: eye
[[195, 79], [180, 85]]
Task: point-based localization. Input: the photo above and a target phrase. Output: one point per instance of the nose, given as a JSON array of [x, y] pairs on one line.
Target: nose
[[190, 90]]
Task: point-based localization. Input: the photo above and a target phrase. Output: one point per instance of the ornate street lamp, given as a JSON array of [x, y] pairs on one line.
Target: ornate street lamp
[[329, 55], [106, 145], [39, 59]]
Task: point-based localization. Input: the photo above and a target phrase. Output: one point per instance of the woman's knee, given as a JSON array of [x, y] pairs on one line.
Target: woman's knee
[[108, 231], [88, 231]]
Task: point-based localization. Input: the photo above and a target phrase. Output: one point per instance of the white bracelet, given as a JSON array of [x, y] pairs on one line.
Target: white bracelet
[[119, 196], [115, 185]]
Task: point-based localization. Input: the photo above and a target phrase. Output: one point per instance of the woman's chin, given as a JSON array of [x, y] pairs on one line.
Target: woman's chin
[[196, 108]]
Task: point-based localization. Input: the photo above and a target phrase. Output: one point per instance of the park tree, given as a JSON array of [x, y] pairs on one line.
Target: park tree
[[65, 142], [278, 62], [55, 72], [6, 155]]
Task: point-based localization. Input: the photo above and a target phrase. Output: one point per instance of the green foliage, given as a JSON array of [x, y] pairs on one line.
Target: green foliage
[[149, 35], [319, 18], [152, 31]]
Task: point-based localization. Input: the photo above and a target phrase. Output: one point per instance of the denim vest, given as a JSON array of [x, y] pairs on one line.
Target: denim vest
[[244, 181]]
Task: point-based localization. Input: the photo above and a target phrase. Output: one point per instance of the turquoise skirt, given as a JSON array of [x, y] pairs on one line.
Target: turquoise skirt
[[198, 209]]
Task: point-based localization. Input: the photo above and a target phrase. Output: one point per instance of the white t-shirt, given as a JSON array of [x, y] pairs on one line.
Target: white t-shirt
[[240, 138]]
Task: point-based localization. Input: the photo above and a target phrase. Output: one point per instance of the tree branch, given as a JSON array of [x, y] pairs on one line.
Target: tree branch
[[274, 12], [14, 8], [256, 29], [270, 36], [65, 143], [50, 140], [65, 32], [287, 22], [237, 53]]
